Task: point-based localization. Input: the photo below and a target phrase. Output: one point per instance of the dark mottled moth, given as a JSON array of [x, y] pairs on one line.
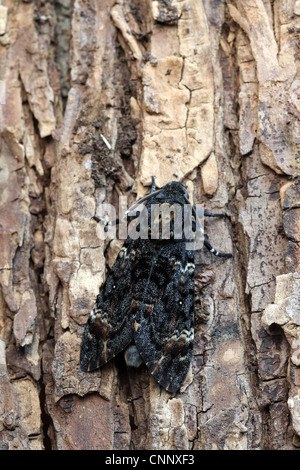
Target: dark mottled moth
[[146, 305]]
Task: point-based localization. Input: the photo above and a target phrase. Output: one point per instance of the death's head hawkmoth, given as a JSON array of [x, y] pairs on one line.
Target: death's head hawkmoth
[[146, 304]]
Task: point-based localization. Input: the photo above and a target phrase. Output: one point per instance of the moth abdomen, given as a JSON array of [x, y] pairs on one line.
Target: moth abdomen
[[133, 357]]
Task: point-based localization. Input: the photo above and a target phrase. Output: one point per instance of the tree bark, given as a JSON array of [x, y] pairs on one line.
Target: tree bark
[[96, 97]]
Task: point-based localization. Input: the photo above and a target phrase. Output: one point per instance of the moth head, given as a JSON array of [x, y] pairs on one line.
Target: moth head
[[175, 187], [173, 192], [172, 189]]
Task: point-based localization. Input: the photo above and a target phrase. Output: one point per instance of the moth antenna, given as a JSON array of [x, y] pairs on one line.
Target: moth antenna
[[116, 221], [145, 198], [105, 223]]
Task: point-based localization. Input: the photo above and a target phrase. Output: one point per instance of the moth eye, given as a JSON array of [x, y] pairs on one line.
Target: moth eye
[[180, 302]]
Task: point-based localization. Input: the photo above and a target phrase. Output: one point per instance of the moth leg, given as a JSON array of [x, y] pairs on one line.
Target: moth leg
[[153, 186], [214, 251], [212, 214]]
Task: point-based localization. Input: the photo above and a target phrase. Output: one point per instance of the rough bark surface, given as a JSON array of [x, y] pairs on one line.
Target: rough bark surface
[[201, 90]]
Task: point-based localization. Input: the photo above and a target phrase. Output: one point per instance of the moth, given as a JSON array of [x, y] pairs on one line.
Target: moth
[[146, 304]]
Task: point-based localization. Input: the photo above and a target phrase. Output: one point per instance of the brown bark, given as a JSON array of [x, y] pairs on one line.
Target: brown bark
[[200, 90]]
